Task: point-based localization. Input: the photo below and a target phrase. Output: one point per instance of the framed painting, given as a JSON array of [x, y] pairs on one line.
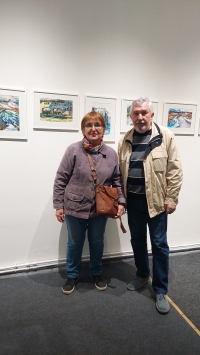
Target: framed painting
[[55, 111], [107, 108], [13, 124], [126, 122], [180, 118]]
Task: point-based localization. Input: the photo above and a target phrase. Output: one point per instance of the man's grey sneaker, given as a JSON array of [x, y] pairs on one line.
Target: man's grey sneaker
[[136, 283], [162, 303], [99, 282], [69, 285]]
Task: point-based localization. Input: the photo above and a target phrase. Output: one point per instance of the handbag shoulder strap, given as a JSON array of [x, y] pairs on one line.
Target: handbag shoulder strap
[[93, 171], [94, 175]]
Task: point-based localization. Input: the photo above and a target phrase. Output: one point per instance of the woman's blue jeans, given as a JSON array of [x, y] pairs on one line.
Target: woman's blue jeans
[[138, 219], [76, 236]]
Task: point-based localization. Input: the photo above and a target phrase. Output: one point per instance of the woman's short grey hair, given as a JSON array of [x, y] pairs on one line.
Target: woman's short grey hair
[[139, 102]]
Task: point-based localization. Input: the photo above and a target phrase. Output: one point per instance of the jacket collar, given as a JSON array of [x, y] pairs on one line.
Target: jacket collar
[[155, 139], [155, 131]]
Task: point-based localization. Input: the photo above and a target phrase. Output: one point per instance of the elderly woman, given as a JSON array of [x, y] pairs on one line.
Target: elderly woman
[[74, 198]]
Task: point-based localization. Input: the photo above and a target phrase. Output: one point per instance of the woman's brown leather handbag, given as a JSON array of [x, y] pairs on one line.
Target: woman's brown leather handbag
[[106, 197], [106, 200]]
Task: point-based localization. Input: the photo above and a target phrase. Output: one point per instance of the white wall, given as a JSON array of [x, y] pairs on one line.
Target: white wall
[[114, 48]]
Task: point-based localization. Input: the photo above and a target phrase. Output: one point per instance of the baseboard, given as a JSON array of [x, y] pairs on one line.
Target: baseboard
[[61, 262], [184, 248]]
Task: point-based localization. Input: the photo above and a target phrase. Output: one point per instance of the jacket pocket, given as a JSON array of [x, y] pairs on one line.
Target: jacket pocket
[[159, 160], [74, 202]]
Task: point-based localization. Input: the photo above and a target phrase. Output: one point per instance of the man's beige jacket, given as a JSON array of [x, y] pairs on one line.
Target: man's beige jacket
[[162, 169]]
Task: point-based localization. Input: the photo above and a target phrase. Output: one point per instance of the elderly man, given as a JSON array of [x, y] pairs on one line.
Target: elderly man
[[152, 176]]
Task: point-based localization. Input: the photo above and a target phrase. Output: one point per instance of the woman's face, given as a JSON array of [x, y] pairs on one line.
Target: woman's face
[[93, 131]]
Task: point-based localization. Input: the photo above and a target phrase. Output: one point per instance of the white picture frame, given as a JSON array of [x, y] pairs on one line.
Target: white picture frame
[[107, 107], [13, 120], [180, 117], [56, 111], [125, 122]]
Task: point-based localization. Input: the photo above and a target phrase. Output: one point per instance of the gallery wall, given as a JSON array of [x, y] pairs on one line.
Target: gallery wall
[[111, 48]]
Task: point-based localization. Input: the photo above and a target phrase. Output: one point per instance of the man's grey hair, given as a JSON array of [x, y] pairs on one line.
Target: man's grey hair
[[139, 102]]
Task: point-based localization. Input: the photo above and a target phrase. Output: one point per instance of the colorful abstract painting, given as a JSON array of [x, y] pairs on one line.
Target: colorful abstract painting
[[56, 110]]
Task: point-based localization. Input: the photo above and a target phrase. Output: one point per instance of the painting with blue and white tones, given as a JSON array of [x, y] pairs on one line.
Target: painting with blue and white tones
[[128, 119], [9, 113], [107, 108], [106, 114], [179, 118]]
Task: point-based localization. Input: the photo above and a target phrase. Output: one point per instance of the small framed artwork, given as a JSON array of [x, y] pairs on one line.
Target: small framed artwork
[[126, 122], [180, 118], [55, 111], [107, 108], [13, 124]]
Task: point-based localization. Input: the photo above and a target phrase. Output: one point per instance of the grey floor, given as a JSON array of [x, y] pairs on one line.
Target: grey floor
[[36, 318]]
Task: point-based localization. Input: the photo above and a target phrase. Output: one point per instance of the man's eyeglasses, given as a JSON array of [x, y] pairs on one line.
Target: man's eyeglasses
[[95, 124]]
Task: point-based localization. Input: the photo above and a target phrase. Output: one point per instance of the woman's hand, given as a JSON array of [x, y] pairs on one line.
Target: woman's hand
[[60, 215], [120, 211]]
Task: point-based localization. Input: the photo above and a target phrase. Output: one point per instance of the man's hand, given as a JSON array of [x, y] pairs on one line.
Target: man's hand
[[60, 215], [169, 209]]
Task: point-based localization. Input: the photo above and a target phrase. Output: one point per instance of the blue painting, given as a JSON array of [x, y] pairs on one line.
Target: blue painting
[[179, 118], [9, 113], [128, 118], [105, 113]]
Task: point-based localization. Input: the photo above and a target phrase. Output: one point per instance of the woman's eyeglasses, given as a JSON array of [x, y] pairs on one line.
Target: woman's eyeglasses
[[95, 124]]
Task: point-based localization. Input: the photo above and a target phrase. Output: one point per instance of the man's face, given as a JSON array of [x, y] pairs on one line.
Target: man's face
[[141, 117]]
